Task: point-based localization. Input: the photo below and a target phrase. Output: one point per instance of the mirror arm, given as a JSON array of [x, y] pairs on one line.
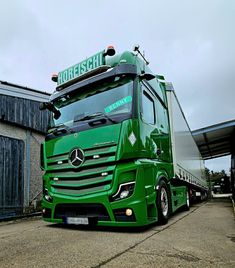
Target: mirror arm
[[49, 106]]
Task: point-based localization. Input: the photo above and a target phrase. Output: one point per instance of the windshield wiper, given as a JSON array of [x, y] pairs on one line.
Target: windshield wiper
[[61, 128], [90, 116]]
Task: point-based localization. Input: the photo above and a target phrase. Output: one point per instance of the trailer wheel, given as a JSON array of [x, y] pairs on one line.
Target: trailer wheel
[[163, 202]]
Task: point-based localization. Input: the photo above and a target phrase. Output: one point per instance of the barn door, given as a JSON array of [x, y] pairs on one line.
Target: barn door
[[11, 176]]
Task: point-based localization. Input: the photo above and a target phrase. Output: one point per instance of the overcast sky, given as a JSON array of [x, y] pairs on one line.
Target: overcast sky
[[191, 42]]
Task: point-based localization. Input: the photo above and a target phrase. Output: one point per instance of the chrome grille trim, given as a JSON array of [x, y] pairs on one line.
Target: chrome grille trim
[[105, 154], [82, 191], [87, 178]]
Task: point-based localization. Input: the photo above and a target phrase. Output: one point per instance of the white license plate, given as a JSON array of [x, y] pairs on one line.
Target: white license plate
[[73, 220]]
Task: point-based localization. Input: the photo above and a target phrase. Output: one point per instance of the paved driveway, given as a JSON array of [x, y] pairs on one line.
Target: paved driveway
[[202, 237]]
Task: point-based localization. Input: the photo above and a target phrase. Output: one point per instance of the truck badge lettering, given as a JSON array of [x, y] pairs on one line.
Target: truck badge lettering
[[81, 68], [117, 104]]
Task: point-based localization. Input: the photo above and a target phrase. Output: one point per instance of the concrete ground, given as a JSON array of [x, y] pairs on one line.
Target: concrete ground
[[201, 237]]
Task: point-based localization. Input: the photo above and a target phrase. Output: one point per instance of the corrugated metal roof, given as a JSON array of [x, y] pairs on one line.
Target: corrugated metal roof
[[216, 140], [14, 90]]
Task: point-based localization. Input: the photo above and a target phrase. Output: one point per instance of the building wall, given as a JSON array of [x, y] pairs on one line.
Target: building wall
[[32, 171], [23, 112], [21, 119], [12, 176], [35, 170]]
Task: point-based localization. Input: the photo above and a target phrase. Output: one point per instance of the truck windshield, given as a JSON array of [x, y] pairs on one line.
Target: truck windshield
[[110, 101]]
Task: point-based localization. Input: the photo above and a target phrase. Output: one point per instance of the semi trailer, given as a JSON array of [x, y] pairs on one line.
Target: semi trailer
[[118, 151]]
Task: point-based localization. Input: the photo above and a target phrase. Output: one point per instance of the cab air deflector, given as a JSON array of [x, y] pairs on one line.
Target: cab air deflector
[[127, 69]]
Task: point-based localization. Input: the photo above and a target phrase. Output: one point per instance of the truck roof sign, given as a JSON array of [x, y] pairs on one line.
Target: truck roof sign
[[81, 68]]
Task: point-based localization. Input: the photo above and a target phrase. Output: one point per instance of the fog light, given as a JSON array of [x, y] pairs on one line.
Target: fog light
[[129, 212], [44, 211]]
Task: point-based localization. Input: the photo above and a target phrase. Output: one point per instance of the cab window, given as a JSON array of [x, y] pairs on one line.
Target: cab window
[[148, 109], [162, 118]]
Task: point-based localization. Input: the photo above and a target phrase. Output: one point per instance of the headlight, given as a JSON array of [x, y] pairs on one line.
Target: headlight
[[47, 195], [125, 190]]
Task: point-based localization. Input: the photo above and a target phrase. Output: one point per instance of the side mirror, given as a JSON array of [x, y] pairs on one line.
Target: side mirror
[[42, 106], [160, 77], [56, 113], [49, 106]]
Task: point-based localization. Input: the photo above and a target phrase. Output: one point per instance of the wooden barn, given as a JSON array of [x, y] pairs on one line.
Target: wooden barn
[[22, 130]]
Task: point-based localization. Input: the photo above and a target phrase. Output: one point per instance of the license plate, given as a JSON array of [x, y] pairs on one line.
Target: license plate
[[77, 221]]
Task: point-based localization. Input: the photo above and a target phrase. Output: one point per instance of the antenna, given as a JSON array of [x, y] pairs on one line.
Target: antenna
[[136, 48]]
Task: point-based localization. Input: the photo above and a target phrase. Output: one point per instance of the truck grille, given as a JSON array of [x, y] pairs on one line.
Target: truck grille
[[93, 156], [94, 175]]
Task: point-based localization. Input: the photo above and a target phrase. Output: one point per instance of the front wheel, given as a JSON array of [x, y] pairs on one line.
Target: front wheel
[[163, 203]]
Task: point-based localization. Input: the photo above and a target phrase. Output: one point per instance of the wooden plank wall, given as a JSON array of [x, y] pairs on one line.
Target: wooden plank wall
[[11, 176], [23, 112]]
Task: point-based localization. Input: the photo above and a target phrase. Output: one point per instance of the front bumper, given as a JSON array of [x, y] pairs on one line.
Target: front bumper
[[99, 210], [100, 207]]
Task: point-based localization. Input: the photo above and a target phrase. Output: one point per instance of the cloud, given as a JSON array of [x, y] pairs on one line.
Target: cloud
[[192, 43]]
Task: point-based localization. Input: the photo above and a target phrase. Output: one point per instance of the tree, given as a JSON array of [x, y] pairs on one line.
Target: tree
[[219, 178]]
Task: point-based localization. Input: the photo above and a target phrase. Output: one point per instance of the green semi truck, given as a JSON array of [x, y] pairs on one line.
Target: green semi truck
[[118, 151]]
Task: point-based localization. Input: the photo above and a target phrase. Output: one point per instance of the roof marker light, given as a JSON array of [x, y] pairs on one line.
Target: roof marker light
[[110, 51], [54, 77]]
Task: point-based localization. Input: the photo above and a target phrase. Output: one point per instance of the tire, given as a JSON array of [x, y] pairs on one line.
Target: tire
[[163, 202]]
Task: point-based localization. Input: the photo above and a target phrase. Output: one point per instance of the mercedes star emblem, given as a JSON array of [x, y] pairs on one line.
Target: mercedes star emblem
[[76, 157]]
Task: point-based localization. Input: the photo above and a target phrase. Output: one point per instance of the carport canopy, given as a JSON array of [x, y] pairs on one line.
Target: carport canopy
[[216, 140]]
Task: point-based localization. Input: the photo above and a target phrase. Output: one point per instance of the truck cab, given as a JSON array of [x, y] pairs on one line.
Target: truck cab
[[107, 156]]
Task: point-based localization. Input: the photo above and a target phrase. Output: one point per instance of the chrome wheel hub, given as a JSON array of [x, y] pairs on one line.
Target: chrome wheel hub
[[164, 202], [187, 199]]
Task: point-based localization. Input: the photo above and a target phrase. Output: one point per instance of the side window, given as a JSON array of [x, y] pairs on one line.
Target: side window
[[148, 111], [162, 119], [157, 88]]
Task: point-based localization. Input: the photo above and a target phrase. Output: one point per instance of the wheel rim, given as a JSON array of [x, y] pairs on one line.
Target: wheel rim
[[164, 202], [187, 199]]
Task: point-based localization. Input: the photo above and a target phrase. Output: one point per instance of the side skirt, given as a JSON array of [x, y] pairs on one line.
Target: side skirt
[[178, 197]]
